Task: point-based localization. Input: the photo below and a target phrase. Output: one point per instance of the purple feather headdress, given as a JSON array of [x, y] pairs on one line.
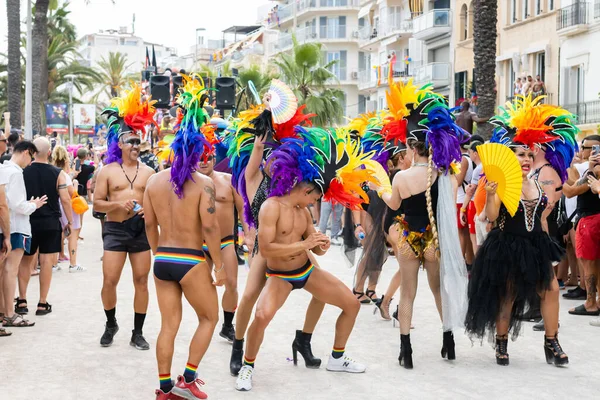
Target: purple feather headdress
[[188, 146]]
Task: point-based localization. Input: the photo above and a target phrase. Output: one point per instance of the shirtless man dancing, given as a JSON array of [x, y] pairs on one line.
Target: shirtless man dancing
[[286, 234], [186, 219], [226, 198], [119, 193]]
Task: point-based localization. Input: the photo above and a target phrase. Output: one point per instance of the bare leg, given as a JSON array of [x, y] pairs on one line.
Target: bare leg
[[573, 262], [549, 307], [112, 266], [72, 244], [25, 266], [254, 285], [46, 263], [140, 265], [474, 243], [169, 303], [591, 281], [9, 274], [432, 266], [274, 295], [329, 289], [503, 319], [202, 295], [3, 311], [562, 269], [230, 296]]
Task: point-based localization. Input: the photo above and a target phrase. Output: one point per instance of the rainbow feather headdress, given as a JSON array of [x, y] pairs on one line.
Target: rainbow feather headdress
[[527, 122], [327, 159], [190, 143], [419, 114], [127, 114]]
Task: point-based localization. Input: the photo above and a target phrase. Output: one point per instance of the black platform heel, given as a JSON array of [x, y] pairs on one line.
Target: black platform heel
[[302, 345], [502, 350], [554, 352], [237, 353], [395, 317], [448, 349], [405, 358]]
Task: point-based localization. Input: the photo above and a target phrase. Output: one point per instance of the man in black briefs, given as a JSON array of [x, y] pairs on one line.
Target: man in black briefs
[[119, 193]]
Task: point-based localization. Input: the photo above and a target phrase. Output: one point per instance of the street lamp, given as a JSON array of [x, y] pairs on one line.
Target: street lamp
[[70, 78]]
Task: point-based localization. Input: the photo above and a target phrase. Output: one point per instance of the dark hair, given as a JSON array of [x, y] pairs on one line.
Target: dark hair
[[82, 153], [418, 147], [591, 137], [13, 139], [25, 145], [475, 141]]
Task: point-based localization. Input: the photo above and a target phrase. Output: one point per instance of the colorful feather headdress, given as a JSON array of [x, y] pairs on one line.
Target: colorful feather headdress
[[189, 144], [324, 158], [127, 114], [528, 122]]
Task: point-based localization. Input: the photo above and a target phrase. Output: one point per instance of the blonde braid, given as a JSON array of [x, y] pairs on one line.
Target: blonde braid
[[434, 231]]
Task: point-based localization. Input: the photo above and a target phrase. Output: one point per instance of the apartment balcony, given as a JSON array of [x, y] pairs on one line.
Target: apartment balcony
[[395, 26], [573, 20], [438, 73], [587, 112], [366, 80], [327, 34], [433, 24], [304, 8], [340, 74]]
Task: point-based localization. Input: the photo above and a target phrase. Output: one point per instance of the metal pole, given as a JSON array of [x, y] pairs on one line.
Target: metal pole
[[28, 79], [71, 111]]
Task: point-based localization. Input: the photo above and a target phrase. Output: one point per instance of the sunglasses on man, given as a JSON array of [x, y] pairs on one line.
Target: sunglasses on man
[[133, 142]]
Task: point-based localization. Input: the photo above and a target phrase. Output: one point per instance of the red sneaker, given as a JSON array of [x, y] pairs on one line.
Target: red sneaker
[[190, 390], [160, 395]]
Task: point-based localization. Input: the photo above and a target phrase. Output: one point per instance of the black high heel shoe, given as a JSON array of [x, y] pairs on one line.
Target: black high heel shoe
[[385, 313], [405, 358], [395, 317], [554, 352], [302, 345], [371, 295], [448, 349], [359, 295], [237, 353], [502, 350]]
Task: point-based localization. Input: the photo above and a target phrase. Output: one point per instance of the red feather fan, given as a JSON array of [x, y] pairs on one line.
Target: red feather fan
[[286, 130]]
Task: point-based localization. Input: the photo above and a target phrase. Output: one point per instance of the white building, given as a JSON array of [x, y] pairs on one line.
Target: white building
[[334, 23], [578, 26], [96, 46]]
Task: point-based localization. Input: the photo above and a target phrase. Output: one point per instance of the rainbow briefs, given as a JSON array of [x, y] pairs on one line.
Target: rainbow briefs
[[297, 278], [226, 241], [172, 263]]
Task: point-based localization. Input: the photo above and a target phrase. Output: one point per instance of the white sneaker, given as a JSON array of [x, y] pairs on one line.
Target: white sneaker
[[345, 364], [244, 379], [56, 268], [336, 241], [595, 322], [76, 268]]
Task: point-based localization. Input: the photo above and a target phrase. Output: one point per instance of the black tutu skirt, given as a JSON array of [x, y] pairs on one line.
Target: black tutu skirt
[[508, 266]]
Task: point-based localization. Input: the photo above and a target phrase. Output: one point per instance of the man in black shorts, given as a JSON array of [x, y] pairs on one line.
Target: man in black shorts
[[43, 179], [119, 193]]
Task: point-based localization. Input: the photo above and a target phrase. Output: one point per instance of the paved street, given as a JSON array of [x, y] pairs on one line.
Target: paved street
[[61, 359]]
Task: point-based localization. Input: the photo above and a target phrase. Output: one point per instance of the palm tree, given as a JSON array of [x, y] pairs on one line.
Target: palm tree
[[303, 71], [113, 73], [39, 62], [59, 24], [261, 80], [15, 80], [484, 49]]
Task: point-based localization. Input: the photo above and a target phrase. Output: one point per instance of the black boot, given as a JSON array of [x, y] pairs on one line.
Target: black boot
[[302, 345], [237, 353], [405, 357], [554, 352], [448, 346], [502, 350]]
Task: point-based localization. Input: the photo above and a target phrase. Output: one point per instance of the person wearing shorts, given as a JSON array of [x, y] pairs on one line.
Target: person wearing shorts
[[44, 180]]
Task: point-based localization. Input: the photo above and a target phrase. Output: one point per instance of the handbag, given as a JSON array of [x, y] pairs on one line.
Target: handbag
[[79, 204]]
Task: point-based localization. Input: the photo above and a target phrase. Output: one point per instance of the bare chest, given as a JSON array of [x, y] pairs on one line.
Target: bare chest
[[291, 224]]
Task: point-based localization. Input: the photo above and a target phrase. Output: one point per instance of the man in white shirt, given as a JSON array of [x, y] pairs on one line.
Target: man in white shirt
[[11, 172]]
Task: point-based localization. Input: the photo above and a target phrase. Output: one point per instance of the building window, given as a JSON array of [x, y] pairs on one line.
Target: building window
[[514, 11], [339, 68], [463, 22], [538, 7], [525, 9], [541, 65], [470, 20], [460, 87], [381, 104], [332, 27], [362, 104], [550, 5]]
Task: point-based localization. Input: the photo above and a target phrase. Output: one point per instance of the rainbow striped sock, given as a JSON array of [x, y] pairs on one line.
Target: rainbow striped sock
[[166, 384], [337, 352], [190, 372], [249, 362]]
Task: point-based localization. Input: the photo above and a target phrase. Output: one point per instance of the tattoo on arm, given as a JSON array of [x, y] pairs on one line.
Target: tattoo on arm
[[62, 186], [582, 181], [211, 199], [547, 182]]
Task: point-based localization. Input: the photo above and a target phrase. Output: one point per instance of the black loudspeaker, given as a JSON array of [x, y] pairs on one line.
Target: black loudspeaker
[[177, 83], [160, 90], [225, 93]]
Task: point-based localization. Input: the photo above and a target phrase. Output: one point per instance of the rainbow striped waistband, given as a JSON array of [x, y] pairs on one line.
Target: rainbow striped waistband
[[176, 255], [226, 241], [299, 274]]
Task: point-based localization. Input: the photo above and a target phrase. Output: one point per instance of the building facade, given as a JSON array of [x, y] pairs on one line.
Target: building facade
[[464, 65], [578, 28], [97, 46]]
